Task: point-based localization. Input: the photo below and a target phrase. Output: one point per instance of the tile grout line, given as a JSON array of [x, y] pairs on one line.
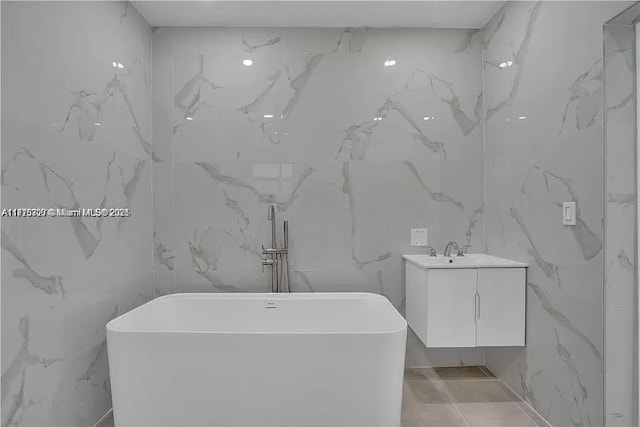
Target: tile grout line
[[520, 400], [527, 415], [104, 418], [455, 405], [530, 407], [436, 377], [455, 380]]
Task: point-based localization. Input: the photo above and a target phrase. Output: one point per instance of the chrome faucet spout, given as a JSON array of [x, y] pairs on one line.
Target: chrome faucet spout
[[450, 245]]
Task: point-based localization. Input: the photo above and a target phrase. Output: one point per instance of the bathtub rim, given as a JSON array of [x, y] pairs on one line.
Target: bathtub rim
[[111, 329]]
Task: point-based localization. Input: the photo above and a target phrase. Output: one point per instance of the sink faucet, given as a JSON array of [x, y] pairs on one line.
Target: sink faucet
[[432, 251], [450, 245], [463, 250]]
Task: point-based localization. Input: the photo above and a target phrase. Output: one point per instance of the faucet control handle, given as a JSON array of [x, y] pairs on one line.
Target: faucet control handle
[[267, 261], [432, 251], [463, 250], [276, 251]]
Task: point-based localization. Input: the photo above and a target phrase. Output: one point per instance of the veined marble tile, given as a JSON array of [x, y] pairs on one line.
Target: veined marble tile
[[621, 203], [352, 153], [543, 104], [619, 73], [76, 134], [619, 385]]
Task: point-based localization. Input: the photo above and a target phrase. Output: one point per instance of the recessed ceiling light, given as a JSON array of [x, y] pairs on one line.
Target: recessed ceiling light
[[189, 118], [115, 64], [97, 124], [120, 65], [522, 117], [268, 116], [247, 63], [389, 62]]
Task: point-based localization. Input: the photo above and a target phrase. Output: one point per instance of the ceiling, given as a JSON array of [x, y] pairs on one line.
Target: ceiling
[[318, 13]]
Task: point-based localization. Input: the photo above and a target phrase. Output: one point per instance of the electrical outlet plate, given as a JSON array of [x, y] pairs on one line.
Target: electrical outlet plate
[[569, 213], [419, 237]]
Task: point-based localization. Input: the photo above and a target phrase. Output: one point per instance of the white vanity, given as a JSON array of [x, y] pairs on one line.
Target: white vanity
[[475, 300]]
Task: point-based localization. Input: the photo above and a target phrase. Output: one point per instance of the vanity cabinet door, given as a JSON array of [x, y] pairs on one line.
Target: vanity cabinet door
[[500, 309], [451, 308]]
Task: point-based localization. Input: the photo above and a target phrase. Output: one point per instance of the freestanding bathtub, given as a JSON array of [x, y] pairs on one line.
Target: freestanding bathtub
[[258, 360]]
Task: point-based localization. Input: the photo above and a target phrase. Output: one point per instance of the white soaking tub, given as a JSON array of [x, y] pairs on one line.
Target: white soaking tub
[[258, 360]]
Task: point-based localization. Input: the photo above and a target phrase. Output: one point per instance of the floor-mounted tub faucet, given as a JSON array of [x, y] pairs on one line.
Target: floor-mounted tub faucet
[[279, 261]]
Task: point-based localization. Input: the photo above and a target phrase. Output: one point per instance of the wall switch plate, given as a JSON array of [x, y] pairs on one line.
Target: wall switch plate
[[569, 213], [419, 237]]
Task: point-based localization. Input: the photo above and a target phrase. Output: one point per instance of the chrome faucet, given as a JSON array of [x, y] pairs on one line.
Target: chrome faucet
[[278, 255], [450, 245], [432, 251], [463, 250]]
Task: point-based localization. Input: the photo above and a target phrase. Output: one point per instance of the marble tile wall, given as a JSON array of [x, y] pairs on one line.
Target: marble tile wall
[[340, 143], [620, 227], [76, 132], [543, 82], [352, 153]]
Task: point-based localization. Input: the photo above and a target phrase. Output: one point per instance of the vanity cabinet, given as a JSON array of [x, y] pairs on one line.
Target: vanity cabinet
[[466, 307]]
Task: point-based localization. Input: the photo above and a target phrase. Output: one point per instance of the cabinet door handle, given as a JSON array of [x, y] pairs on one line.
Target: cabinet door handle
[[477, 306]]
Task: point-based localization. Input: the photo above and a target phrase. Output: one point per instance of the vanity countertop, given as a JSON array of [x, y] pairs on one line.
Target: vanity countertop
[[466, 261]]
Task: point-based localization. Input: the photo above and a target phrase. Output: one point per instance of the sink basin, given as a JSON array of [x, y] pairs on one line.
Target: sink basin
[[466, 261]]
